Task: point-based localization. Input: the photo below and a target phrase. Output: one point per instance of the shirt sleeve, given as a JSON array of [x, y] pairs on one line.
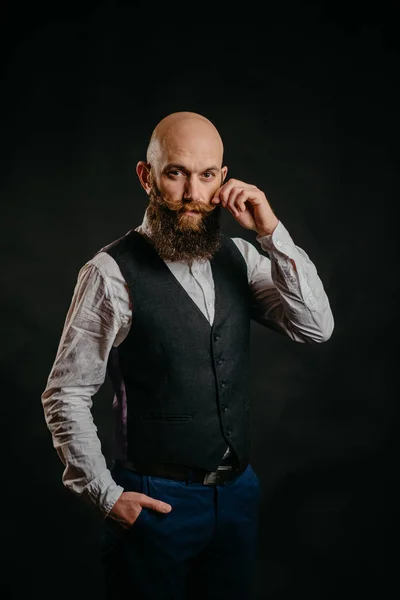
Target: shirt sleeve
[[287, 292], [79, 369]]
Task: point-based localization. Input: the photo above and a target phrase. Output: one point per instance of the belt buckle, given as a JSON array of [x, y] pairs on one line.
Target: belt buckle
[[218, 477]]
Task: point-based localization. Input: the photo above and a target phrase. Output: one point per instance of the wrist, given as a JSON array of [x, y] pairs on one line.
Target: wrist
[[267, 229]]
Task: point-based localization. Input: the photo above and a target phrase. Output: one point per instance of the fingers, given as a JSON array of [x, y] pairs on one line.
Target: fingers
[[234, 194], [157, 505]]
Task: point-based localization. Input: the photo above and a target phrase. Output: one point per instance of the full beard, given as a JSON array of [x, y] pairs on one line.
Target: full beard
[[177, 236]]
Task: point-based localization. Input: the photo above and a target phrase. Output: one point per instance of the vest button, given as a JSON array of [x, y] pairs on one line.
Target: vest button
[[217, 336], [224, 408], [219, 360], [228, 431], [222, 384]]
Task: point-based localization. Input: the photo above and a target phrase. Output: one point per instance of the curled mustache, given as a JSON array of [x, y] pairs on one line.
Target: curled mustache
[[201, 208], [185, 206], [178, 207]]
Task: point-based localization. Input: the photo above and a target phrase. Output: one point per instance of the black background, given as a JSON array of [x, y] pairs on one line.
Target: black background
[[307, 104]]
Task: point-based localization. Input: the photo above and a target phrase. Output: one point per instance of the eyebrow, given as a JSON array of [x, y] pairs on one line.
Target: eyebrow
[[182, 168]]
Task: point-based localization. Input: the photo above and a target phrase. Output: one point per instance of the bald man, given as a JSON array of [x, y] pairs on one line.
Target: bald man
[[165, 311]]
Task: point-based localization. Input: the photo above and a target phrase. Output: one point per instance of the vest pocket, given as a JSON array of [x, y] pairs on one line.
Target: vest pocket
[[168, 417]]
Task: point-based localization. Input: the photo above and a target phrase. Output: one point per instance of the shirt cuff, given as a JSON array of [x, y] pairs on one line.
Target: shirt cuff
[[278, 241], [104, 492]]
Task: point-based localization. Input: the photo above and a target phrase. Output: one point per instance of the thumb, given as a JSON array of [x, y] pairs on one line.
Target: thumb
[[157, 505]]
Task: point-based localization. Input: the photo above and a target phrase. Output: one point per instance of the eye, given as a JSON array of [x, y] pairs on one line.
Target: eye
[[208, 175], [174, 173]]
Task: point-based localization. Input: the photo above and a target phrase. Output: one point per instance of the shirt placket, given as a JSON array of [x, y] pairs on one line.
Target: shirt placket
[[206, 288]]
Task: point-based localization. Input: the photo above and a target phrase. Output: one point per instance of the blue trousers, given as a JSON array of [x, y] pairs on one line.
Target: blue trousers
[[205, 547]]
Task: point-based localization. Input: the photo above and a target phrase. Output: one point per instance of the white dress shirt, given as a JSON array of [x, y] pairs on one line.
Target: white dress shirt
[[287, 291]]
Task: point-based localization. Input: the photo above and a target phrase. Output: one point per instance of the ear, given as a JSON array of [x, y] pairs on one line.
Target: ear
[[224, 172], [143, 172]]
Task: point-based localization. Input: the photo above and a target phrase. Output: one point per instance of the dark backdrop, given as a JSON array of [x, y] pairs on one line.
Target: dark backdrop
[[307, 104]]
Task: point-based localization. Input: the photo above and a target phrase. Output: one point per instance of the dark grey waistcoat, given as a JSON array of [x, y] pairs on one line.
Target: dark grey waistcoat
[[186, 381]]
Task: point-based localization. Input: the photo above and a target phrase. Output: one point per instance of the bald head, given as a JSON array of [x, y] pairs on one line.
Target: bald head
[[187, 134]]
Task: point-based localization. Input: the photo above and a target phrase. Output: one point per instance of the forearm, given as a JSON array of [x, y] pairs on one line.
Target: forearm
[[298, 303], [68, 416]]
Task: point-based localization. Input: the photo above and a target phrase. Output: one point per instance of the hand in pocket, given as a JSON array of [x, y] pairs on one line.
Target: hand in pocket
[[130, 504]]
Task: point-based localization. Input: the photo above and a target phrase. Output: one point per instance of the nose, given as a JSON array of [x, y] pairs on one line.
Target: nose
[[192, 190]]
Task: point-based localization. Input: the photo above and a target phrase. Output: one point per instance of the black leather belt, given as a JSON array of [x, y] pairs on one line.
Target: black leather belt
[[223, 473]]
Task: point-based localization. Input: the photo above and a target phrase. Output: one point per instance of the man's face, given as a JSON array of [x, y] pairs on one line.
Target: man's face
[[184, 223]]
